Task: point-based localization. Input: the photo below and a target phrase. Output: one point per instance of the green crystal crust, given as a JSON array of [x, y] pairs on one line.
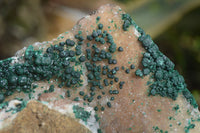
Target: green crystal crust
[[17, 108], [80, 113], [167, 81], [55, 62]]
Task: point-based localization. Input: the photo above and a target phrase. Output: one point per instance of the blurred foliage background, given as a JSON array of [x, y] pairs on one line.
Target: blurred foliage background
[[173, 24]]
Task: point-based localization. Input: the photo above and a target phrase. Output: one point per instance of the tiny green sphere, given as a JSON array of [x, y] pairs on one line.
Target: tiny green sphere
[[153, 92], [77, 74], [70, 42], [104, 67], [111, 82], [113, 71], [116, 79], [121, 83], [51, 88], [88, 44], [102, 108], [90, 99], [46, 61], [81, 93], [85, 97], [81, 38], [97, 39], [68, 84], [92, 88], [115, 92], [90, 76], [99, 97], [1, 97], [94, 34], [105, 82], [73, 81], [112, 98], [76, 99], [158, 75], [96, 108], [76, 36], [99, 131], [68, 70], [49, 50], [98, 18], [120, 49], [114, 61], [22, 80], [102, 41], [89, 37], [112, 48], [169, 90], [104, 72], [68, 93], [110, 61], [92, 93], [116, 68], [110, 92], [13, 79], [18, 88], [38, 60], [127, 71], [65, 63], [45, 91], [62, 43], [19, 70], [147, 42], [146, 71], [101, 87], [138, 72], [62, 54], [78, 52], [82, 59], [159, 61], [109, 104], [99, 32], [71, 53], [80, 42], [132, 66], [100, 26]]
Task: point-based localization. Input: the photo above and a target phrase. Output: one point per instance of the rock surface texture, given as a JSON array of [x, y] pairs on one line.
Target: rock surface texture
[[105, 75]]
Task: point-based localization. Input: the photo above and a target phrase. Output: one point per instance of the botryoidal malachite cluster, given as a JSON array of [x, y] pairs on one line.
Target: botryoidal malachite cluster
[[168, 82], [60, 61], [39, 66]]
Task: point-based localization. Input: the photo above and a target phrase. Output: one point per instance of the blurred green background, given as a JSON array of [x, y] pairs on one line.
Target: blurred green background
[[173, 24]]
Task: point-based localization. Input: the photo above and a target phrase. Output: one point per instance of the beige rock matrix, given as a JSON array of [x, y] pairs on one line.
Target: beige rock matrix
[[104, 75]]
